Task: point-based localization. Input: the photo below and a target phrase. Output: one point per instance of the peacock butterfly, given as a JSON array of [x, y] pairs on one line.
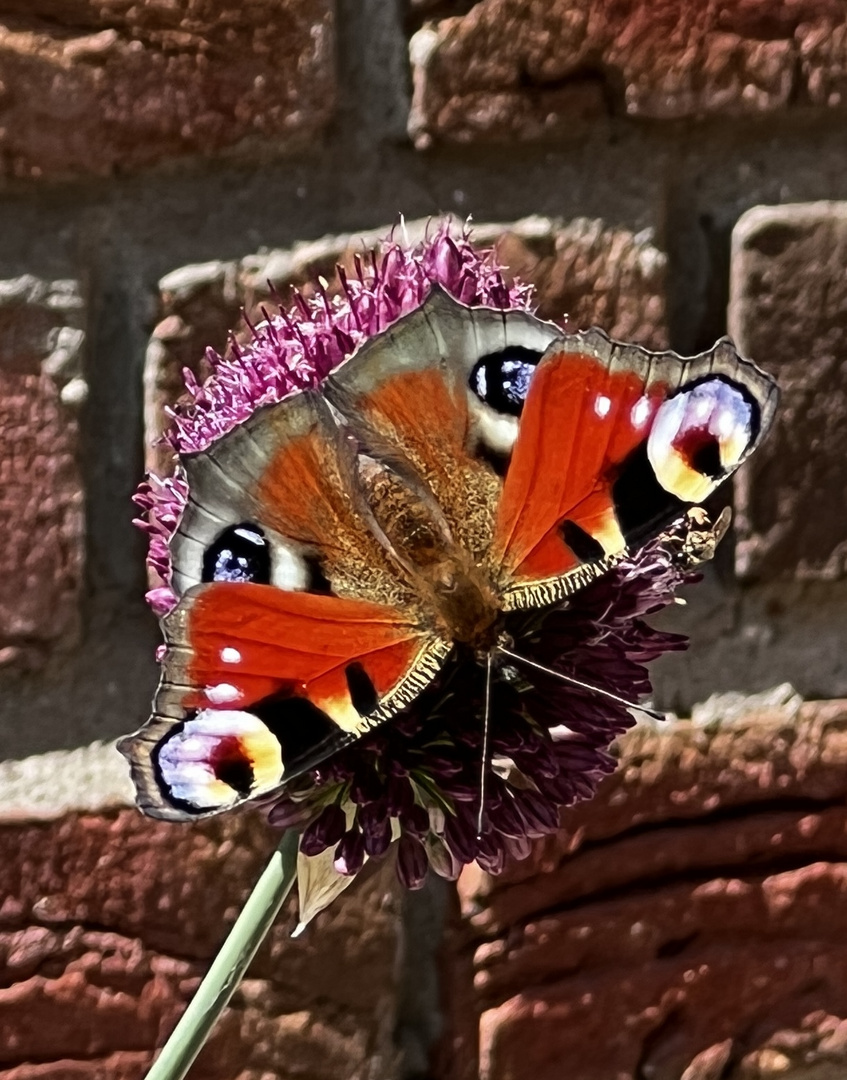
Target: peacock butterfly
[[338, 545]]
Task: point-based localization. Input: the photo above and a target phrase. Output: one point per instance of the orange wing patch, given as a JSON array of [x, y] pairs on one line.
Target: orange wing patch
[[424, 421], [249, 642], [579, 421], [305, 495]]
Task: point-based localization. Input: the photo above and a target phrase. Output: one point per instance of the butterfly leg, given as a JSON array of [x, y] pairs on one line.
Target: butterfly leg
[[582, 685]]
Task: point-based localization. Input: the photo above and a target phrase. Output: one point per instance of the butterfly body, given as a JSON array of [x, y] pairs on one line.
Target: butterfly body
[[338, 546], [451, 587], [466, 603]]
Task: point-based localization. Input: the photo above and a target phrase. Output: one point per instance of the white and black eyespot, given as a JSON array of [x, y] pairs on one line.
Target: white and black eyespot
[[501, 380], [216, 758], [700, 435], [239, 553], [498, 384]]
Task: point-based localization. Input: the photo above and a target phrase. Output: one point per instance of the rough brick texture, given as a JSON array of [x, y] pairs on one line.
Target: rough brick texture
[[108, 921], [95, 87], [787, 309], [689, 922], [41, 498], [585, 270], [511, 70]]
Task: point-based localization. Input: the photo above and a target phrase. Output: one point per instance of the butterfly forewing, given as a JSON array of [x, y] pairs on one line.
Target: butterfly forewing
[[296, 630], [406, 394], [549, 455], [614, 444]]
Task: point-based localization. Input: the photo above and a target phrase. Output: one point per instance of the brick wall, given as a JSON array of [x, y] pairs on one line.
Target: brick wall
[[672, 171]]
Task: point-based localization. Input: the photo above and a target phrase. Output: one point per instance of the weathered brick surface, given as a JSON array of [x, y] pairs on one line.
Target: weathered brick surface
[[689, 924], [94, 87], [586, 270], [108, 921], [690, 921], [788, 298], [41, 499], [516, 71]]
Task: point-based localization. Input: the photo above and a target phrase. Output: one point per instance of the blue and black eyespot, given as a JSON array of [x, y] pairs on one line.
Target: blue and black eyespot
[[501, 379], [240, 553]]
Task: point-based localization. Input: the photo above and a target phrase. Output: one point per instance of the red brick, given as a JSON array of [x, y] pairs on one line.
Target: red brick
[[109, 920], [788, 297], [653, 1020], [591, 272], [509, 70], [689, 921], [100, 86], [41, 497], [123, 1065]]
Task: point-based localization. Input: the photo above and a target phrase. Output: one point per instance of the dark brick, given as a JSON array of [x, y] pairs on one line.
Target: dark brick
[[787, 311], [109, 920], [694, 907], [95, 87], [41, 498], [512, 71]]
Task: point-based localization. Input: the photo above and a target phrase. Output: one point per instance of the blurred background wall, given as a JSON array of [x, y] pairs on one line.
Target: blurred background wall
[[669, 170]]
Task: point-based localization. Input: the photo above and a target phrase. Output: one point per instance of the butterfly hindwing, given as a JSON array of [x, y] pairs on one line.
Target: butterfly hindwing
[[260, 684]]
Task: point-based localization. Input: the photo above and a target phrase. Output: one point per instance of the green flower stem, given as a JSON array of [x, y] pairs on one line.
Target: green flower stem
[[228, 967]]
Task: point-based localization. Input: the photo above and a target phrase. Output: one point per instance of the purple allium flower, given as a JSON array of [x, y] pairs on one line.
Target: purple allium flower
[[417, 778], [414, 784]]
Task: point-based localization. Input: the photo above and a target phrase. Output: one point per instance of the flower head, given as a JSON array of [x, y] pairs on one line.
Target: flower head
[[418, 778], [415, 783]]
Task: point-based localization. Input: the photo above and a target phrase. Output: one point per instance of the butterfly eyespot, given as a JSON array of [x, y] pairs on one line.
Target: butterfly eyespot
[[501, 380], [700, 435], [231, 765], [216, 758], [240, 553]]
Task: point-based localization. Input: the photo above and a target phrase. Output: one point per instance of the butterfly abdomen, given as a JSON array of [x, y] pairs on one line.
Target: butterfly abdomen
[[408, 521]]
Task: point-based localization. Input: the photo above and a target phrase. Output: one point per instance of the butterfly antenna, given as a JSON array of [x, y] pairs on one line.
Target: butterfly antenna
[[486, 726], [582, 685]]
